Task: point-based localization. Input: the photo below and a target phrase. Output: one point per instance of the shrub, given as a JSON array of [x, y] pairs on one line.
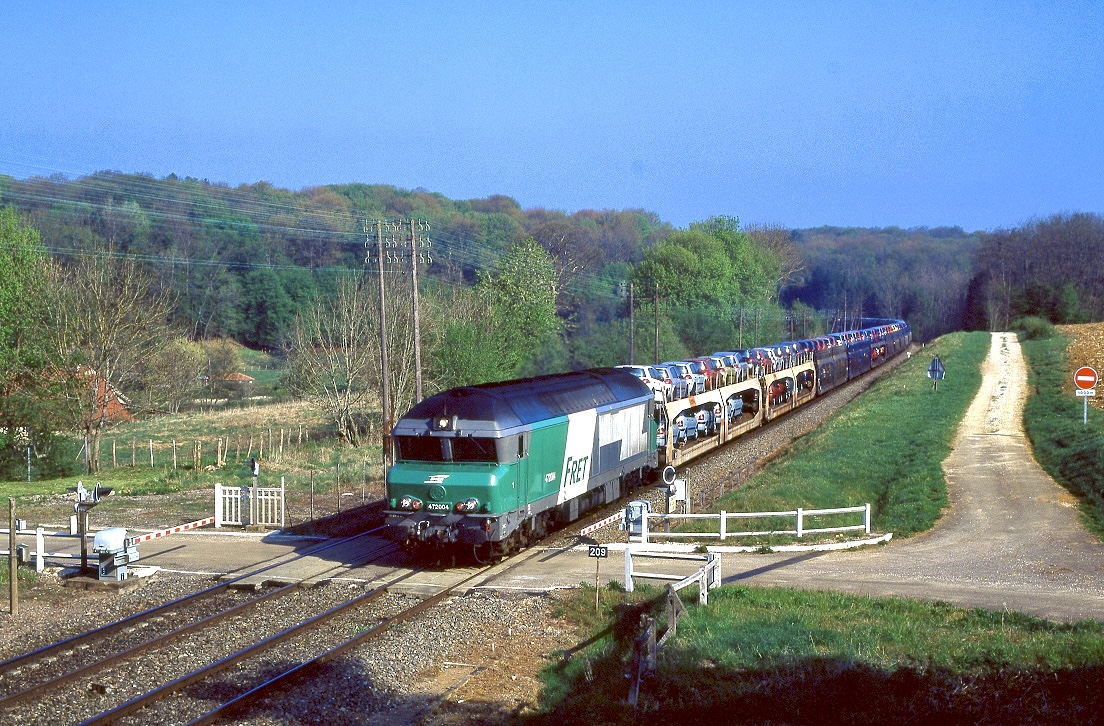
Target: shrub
[[1033, 328]]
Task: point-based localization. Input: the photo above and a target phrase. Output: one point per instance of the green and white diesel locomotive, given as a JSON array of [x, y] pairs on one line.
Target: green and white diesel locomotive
[[498, 465]]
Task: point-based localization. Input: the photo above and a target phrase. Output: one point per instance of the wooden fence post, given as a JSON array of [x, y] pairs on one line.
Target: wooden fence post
[[13, 563]]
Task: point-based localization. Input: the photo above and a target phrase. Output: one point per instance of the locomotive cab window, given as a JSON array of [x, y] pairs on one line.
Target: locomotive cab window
[[420, 448], [475, 449]]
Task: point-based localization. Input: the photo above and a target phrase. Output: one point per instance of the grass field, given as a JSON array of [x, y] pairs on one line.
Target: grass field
[[885, 448], [784, 656], [185, 491]]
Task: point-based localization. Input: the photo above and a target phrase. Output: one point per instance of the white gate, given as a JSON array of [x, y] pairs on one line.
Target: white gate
[[228, 505], [250, 505], [268, 506]]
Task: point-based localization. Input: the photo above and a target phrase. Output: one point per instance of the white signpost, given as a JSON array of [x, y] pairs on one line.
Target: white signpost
[[1085, 380]]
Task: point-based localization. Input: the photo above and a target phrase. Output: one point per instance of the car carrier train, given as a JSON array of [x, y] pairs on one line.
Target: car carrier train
[[495, 466]]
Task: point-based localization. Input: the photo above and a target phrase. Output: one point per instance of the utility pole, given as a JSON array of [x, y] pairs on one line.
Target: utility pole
[[632, 329], [657, 323], [398, 248], [741, 328], [385, 377], [417, 329]]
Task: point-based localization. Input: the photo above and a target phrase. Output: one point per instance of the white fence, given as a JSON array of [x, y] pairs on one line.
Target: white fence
[[708, 576], [263, 506], [724, 517], [39, 552]]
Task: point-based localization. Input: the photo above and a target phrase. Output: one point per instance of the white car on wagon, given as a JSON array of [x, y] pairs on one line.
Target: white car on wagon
[[652, 379]]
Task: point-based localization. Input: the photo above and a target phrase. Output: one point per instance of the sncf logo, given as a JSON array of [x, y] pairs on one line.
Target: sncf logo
[[575, 470], [437, 479]]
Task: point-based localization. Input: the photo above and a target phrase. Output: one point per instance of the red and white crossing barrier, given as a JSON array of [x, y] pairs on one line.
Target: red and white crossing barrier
[[171, 530], [598, 525]]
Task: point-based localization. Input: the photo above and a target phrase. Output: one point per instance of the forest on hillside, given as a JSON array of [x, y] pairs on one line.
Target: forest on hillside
[[504, 291]]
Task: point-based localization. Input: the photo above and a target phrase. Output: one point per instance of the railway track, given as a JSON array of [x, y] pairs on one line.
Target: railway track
[[51, 670], [314, 628], [266, 680]]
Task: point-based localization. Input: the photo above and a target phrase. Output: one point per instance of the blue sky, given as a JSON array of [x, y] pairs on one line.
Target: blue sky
[[849, 113]]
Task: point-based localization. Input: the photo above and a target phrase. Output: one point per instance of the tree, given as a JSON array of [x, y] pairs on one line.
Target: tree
[[23, 268], [335, 352], [27, 414], [171, 376], [495, 329], [108, 318], [221, 358], [778, 241]]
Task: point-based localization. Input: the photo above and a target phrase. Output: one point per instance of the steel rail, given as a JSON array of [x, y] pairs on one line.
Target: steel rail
[[12, 700], [239, 704], [109, 628], [218, 666], [166, 638]]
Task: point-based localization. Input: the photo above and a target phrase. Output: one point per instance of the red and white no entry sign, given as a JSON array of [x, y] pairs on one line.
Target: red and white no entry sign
[[1085, 378]]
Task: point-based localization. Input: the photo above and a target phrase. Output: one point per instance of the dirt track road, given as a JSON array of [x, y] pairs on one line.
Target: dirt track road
[[1010, 540]]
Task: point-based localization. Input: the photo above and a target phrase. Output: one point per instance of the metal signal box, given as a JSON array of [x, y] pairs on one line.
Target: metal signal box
[[115, 553]]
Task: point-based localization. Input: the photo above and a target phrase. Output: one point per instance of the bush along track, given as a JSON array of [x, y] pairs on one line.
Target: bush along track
[[885, 448], [775, 655], [1070, 451]]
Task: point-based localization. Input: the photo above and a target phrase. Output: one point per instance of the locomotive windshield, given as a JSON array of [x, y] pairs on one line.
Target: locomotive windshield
[[474, 449], [436, 449], [420, 448]]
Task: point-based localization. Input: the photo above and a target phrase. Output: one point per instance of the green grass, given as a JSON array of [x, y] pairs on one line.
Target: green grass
[[885, 448], [26, 574], [1070, 451], [771, 654], [266, 378], [320, 453]]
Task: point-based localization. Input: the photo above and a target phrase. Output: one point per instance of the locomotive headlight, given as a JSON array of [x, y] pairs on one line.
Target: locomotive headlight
[[468, 505], [409, 503]]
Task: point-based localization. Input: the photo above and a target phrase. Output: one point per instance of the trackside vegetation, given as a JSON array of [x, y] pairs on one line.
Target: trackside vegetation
[[1071, 452], [782, 656], [886, 447]]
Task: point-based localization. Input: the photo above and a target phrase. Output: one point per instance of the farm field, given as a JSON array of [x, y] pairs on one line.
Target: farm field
[[288, 439], [1086, 348]]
